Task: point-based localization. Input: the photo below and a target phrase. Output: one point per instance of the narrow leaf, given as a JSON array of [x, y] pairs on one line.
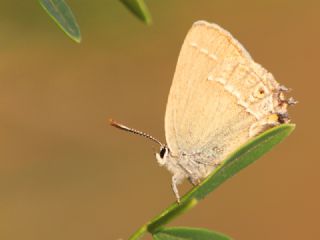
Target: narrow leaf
[[61, 13], [236, 161], [139, 9], [243, 157], [184, 233]]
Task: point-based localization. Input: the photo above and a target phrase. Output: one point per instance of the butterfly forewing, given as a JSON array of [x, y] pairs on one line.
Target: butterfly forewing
[[207, 106]]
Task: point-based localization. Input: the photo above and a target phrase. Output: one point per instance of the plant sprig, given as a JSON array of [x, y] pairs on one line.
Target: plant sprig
[[235, 162], [63, 16]]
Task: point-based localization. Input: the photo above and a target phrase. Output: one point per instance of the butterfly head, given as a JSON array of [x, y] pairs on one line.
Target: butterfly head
[[163, 153]]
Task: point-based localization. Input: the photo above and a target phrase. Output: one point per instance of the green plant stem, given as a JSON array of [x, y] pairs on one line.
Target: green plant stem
[[139, 233], [170, 213], [166, 216]]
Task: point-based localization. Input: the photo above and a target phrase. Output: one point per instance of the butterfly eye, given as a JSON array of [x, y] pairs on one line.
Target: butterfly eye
[[163, 152]]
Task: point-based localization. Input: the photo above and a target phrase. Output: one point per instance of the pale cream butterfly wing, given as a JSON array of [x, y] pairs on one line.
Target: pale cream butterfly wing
[[219, 96]]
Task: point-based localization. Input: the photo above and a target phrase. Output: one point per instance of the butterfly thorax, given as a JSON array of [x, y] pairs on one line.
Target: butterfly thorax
[[194, 165]]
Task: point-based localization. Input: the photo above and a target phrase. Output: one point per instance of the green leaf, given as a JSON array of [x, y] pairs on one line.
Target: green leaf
[[244, 156], [139, 9], [236, 161], [61, 13], [183, 233]]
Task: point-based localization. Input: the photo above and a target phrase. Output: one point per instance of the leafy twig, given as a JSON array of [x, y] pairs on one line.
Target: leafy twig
[[236, 161]]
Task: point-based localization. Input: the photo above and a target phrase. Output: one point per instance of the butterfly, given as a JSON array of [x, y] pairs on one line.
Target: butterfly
[[219, 99]]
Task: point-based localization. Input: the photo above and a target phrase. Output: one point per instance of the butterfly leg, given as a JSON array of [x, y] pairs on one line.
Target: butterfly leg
[[174, 187]]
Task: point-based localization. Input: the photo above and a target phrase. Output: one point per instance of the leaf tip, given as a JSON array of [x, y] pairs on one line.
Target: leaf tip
[[78, 39], [148, 20], [139, 9]]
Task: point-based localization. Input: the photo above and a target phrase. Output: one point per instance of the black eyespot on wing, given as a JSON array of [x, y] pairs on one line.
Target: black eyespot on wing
[[163, 152], [283, 117]]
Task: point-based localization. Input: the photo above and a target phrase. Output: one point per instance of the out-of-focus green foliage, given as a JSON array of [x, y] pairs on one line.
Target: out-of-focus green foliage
[[138, 8], [61, 13]]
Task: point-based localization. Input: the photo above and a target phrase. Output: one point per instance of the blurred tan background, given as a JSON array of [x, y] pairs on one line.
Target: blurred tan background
[[65, 174]]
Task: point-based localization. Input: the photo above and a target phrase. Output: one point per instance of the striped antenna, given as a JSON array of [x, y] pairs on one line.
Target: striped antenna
[[125, 128]]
